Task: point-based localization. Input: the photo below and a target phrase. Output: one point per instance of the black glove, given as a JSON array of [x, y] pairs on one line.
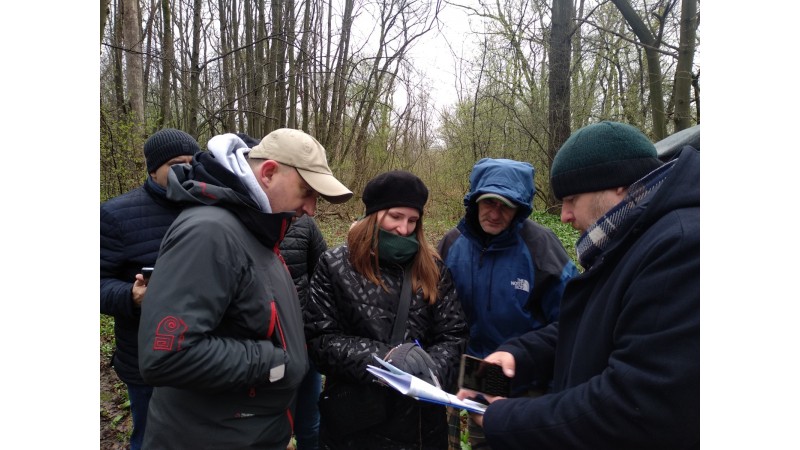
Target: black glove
[[411, 358]]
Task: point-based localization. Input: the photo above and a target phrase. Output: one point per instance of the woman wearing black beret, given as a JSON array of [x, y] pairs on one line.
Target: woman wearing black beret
[[355, 298]]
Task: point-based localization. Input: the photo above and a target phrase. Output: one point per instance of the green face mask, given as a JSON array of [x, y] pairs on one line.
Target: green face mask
[[395, 248]]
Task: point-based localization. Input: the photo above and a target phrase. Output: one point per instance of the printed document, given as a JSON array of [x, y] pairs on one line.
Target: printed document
[[414, 387]]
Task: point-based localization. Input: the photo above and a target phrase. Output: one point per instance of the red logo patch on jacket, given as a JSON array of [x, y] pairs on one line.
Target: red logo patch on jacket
[[169, 334]]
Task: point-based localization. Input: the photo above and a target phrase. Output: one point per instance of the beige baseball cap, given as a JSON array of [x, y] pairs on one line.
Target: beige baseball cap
[[300, 150], [498, 197]]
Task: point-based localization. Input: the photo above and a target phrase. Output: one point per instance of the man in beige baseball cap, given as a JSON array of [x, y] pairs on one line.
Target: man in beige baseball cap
[[239, 209], [300, 150]]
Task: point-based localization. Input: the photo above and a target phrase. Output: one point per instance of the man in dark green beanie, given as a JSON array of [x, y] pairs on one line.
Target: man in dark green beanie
[[624, 357]]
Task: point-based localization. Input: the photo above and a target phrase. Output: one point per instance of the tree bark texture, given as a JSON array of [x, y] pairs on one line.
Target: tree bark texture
[[651, 46], [134, 72], [167, 64], [558, 123], [194, 70], [683, 72]]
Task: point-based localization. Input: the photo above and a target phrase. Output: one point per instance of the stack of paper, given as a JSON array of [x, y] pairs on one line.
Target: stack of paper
[[414, 387]]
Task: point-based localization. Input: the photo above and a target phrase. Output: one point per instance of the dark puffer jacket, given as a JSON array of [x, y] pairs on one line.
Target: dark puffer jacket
[[131, 228], [301, 248], [349, 319]]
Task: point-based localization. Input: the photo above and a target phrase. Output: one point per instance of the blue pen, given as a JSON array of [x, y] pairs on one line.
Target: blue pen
[[418, 344]]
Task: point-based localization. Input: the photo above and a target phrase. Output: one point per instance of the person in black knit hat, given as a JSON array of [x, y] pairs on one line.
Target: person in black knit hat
[[131, 228], [355, 293], [395, 189], [624, 355], [166, 144]]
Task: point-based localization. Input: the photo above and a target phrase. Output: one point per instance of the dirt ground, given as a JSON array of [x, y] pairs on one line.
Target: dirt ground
[[115, 418]]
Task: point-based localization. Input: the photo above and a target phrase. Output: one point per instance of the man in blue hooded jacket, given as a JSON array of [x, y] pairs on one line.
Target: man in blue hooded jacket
[[624, 357], [509, 271]]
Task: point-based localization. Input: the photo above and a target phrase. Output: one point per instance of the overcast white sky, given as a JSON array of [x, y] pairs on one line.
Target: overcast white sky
[[433, 56]]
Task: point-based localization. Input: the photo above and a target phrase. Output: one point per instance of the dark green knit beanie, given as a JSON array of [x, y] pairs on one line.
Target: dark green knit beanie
[[602, 156]]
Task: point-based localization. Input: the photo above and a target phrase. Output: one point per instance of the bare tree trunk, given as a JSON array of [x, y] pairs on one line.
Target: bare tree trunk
[[252, 67], [475, 138], [651, 45], [228, 118], [304, 67], [558, 117], [180, 73], [194, 69], [168, 48], [340, 75], [291, 88], [103, 16], [258, 107], [119, 79], [281, 43], [147, 37], [133, 59], [323, 120], [683, 72], [272, 107], [577, 72], [238, 70]]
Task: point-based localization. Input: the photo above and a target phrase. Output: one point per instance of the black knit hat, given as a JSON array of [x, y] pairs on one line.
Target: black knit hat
[[393, 189], [602, 156], [166, 144]]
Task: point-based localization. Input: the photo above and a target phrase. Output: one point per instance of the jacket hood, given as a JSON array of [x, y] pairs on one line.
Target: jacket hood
[[206, 182], [681, 189], [511, 179]]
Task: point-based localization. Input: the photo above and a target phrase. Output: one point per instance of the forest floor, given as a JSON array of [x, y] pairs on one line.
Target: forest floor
[[115, 415]]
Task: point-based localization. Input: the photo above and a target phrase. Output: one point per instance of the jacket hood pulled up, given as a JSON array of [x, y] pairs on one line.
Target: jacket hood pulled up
[[508, 178]]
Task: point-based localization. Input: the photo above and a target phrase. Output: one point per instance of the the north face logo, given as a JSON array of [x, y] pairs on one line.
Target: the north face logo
[[522, 285]]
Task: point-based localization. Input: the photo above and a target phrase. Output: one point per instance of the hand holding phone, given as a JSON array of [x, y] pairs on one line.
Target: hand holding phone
[[483, 377], [146, 272]]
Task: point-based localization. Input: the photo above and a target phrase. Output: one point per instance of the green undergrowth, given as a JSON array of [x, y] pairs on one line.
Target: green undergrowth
[[334, 229]]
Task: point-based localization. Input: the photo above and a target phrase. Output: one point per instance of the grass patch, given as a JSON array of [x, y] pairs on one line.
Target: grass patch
[[565, 233], [107, 340]]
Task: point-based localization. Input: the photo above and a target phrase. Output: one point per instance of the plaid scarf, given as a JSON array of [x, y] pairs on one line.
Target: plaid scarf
[[597, 237]]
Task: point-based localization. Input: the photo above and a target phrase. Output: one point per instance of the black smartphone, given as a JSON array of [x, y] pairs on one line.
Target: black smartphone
[[146, 272], [480, 376]]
